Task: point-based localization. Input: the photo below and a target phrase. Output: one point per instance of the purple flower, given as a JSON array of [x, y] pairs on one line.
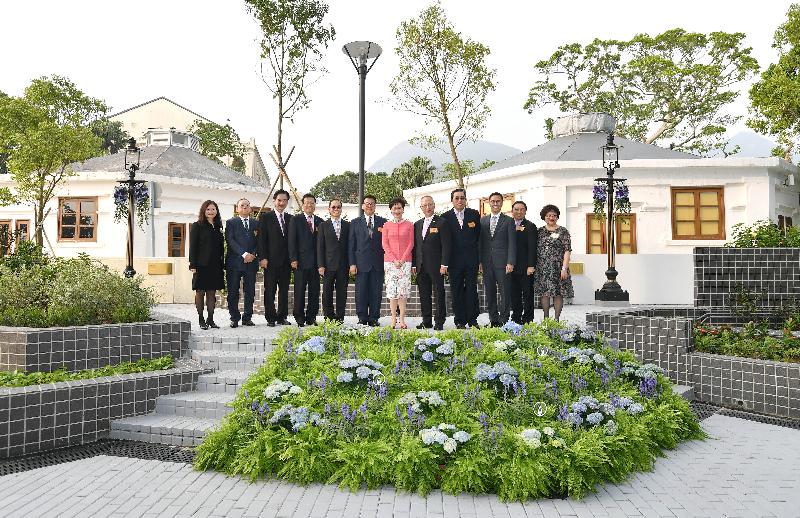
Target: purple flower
[[327, 409], [563, 413], [648, 387]]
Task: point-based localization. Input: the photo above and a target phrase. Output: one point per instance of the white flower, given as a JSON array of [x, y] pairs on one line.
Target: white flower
[[445, 426], [450, 445], [428, 435], [548, 431], [344, 377], [441, 437], [295, 390], [555, 235], [461, 436]]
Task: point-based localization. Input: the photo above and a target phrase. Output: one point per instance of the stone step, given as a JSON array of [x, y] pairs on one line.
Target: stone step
[[259, 346], [222, 381], [229, 360], [684, 391], [207, 405], [163, 429]]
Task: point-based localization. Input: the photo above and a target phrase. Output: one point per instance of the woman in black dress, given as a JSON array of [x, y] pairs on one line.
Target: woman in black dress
[[553, 281], [206, 248]]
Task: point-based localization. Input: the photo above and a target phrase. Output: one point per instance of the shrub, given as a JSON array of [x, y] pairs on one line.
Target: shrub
[[39, 291], [764, 234], [23, 379]]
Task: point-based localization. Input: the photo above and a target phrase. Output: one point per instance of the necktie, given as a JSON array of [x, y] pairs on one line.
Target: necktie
[[492, 225], [369, 226], [425, 227], [280, 222], [310, 223], [460, 216], [337, 227], [246, 224]]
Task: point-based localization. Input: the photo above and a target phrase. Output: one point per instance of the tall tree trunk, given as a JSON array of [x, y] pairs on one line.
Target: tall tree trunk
[[451, 142], [280, 136], [38, 223]]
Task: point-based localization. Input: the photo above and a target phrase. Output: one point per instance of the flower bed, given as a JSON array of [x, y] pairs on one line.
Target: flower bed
[[23, 379], [522, 412], [749, 341]]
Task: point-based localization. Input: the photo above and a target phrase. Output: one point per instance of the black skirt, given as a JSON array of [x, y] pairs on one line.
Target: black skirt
[[208, 278]]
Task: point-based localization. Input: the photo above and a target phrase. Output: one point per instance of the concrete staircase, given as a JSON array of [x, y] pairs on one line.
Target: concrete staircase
[[183, 419]]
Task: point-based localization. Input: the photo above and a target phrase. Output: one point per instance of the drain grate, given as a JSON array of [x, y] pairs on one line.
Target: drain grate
[[761, 418], [131, 449], [703, 410]]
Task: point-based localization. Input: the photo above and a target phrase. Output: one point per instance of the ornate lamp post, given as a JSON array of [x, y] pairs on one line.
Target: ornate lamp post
[[361, 53], [132, 156], [611, 294]]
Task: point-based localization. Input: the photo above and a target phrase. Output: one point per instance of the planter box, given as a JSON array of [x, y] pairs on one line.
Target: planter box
[[664, 336], [57, 415], [89, 347]]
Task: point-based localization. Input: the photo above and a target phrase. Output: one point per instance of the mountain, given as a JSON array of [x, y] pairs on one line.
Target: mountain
[[477, 151], [752, 144]]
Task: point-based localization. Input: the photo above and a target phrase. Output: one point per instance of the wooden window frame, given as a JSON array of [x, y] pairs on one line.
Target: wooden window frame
[[604, 242], [720, 190], [77, 238], [27, 228], [7, 223], [506, 197], [170, 226]]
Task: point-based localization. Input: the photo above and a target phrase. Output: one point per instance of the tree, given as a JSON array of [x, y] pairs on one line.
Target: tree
[[218, 141], [382, 186], [775, 97], [416, 172], [670, 89], [293, 36], [114, 137], [444, 79], [45, 131], [343, 186], [467, 168]]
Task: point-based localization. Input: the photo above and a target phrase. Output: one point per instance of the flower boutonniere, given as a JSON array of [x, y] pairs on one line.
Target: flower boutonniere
[[554, 236]]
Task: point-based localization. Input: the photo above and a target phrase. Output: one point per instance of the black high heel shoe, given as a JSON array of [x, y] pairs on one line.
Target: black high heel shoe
[[203, 324], [211, 324]]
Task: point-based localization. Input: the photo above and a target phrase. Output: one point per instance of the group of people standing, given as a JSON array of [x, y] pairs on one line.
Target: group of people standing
[[518, 261]]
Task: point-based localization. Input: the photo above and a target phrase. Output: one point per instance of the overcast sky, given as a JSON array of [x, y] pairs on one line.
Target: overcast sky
[[203, 54]]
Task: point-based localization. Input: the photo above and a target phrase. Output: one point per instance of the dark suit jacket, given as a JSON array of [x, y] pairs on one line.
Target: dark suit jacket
[[273, 245], [365, 252], [527, 246], [333, 253], [302, 242], [465, 241], [205, 245], [240, 242], [433, 251], [500, 249]]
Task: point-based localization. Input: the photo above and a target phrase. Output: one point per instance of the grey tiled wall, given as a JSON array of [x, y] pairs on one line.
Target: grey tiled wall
[[46, 417], [90, 347]]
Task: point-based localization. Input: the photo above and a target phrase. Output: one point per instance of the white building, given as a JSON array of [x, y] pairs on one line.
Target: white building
[[163, 113], [678, 201]]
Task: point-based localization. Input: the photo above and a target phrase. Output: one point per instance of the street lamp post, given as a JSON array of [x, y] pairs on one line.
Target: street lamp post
[[360, 54], [611, 294], [132, 156]]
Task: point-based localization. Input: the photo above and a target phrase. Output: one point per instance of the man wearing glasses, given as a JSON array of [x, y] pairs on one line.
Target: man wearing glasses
[[366, 262], [333, 260], [465, 233]]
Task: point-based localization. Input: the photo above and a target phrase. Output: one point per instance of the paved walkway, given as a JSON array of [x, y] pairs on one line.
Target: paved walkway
[[746, 469]]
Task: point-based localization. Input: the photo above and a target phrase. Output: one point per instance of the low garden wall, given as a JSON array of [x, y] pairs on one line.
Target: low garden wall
[[89, 347], [46, 417], [664, 336]]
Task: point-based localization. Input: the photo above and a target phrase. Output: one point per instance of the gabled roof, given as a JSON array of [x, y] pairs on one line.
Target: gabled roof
[[586, 146], [171, 162], [158, 99]]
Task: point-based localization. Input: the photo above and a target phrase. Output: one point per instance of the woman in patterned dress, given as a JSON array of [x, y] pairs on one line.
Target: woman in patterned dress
[[398, 242], [552, 265]]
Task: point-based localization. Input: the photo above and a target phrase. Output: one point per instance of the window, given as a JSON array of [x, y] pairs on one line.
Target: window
[[6, 238], [698, 213], [23, 227], [180, 140], [508, 202], [784, 222], [624, 234], [176, 237], [77, 219]]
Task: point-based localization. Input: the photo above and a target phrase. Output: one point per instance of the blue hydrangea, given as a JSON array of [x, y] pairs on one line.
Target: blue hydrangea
[[363, 372], [635, 408], [611, 428], [427, 356], [445, 348], [349, 363], [579, 407], [594, 418], [315, 344], [345, 377]]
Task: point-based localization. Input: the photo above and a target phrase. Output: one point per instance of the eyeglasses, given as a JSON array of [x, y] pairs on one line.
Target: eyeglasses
[[336, 207], [459, 197]]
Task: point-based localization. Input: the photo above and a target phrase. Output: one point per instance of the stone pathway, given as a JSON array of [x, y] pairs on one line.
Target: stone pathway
[[745, 469]]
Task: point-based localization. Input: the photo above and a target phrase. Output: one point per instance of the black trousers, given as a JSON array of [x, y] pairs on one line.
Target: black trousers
[[464, 293], [276, 278], [248, 280], [369, 288], [521, 298], [495, 285], [431, 283], [306, 279], [335, 281]]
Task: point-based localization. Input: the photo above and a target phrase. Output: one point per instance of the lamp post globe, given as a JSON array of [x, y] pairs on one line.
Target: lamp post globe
[[363, 55]]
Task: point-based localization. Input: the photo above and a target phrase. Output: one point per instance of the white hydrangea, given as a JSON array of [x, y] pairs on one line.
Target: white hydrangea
[[277, 388], [549, 431], [450, 445], [532, 437], [461, 436]]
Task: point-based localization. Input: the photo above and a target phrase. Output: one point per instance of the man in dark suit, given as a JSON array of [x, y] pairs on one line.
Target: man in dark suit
[[366, 262], [241, 263], [498, 256], [465, 233], [273, 250], [334, 261], [303, 230], [521, 279], [431, 257]]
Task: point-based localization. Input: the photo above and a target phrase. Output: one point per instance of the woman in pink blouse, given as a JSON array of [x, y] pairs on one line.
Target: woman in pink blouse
[[398, 242]]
